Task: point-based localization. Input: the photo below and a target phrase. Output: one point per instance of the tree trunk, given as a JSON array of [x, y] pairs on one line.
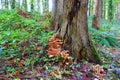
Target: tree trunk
[[90, 7], [54, 12], [12, 4], [110, 10], [32, 5], [103, 9], [38, 5], [118, 11], [106, 9], [25, 5], [2, 4], [19, 4], [71, 25], [96, 14], [6, 4], [45, 6]]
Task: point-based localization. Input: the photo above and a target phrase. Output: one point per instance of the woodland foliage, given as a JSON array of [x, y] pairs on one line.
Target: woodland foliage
[[29, 48]]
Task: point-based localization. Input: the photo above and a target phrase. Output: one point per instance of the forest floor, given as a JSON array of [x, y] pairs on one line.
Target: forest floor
[[48, 70]]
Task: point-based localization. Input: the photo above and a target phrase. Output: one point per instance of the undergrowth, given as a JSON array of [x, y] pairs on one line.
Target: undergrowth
[[107, 33], [22, 40]]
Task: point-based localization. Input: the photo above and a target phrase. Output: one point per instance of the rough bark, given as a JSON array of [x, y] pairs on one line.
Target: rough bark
[[96, 14], [71, 24]]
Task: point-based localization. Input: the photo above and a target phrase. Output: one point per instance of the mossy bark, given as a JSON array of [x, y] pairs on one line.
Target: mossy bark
[[71, 24]]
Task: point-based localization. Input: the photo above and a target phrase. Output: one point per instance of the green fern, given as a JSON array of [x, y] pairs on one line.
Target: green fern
[[104, 38], [113, 41]]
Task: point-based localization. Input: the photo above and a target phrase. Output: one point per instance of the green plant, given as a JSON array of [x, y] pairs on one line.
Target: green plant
[[10, 69], [104, 38], [107, 33], [22, 38]]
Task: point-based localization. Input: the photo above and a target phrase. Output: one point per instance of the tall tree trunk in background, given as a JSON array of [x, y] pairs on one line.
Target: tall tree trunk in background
[[103, 9], [19, 3], [12, 4], [54, 12], [32, 5], [96, 14], [45, 6], [72, 27], [115, 9], [110, 10], [106, 9], [41, 6], [90, 7], [105, 6], [25, 5], [2, 4], [118, 11], [6, 4], [38, 5]]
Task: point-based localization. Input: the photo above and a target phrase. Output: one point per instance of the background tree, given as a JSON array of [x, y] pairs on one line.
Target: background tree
[[103, 9], [110, 10], [96, 14], [12, 4], [71, 24], [118, 11], [32, 5], [90, 6], [38, 5], [6, 4], [19, 3], [46, 5], [25, 5], [2, 4], [54, 9]]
